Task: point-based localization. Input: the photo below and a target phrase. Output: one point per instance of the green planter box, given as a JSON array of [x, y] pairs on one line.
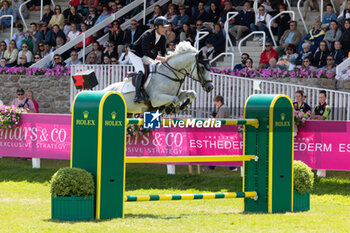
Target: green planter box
[[301, 202], [73, 208]]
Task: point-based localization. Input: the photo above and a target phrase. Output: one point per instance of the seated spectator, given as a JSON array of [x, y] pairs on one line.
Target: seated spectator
[[186, 33], [228, 7], [30, 96], [25, 52], [86, 4], [37, 57], [171, 14], [156, 13], [59, 43], [110, 50], [57, 18], [338, 52], [199, 28], [332, 34], [56, 32], [114, 61], [113, 7], [269, 7], [242, 22], [214, 13], [291, 36], [244, 58], [48, 13], [124, 57], [304, 53], [45, 31], [314, 37], [261, 20], [345, 37], [328, 16], [306, 64], [19, 36], [3, 63], [91, 18], [23, 61], [215, 44], [11, 53], [180, 19], [106, 60], [74, 59], [116, 36], [92, 59], [169, 34], [200, 14], [319, 59], [132, 34], [41, 49], [272, 64], [15, 9], [104, 15], [5, 22], [34, 36], [249, 65], [74, 33], [74, 17], [299, 104], [313, 4], [281, 24], [57, 61], [34, 5], [345, 13], [3, 48], [96, 50], [89, 40], [330, 67], [266, 55], [23, 103], [171, 47], [47, 49], [288, 61]]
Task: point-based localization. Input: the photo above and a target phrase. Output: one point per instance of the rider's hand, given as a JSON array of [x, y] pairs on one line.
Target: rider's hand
[[162, 59]]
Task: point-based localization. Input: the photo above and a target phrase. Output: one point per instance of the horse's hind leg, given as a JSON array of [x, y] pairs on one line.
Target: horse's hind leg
[[163, 99], [186, 97]]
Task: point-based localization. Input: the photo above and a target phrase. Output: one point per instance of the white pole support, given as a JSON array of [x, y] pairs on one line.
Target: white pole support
[[170, 169], [35, 163]]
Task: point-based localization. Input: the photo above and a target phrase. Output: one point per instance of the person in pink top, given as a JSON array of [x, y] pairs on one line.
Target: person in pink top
[[30, 96], [22, 102]]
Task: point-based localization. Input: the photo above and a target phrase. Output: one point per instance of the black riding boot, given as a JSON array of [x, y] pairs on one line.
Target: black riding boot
[[138, 85]]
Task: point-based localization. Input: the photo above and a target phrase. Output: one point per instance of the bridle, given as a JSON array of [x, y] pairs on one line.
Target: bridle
[[185, 73]]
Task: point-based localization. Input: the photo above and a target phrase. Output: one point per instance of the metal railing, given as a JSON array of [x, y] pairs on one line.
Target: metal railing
[[344, 66], [20, 13], [224, 54], [6, 16], [271, 21], [235, 91], [199, 37], [228, 42], [301, 15], [247, 36], [42, 7]]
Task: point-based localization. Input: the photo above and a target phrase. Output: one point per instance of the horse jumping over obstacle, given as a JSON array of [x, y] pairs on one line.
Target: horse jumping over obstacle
[[99, 145]]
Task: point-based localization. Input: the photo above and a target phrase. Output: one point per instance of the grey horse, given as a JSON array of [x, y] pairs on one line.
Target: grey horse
[[164, 88]]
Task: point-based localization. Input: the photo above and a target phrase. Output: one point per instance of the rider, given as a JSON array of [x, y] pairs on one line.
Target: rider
[[147, 46]]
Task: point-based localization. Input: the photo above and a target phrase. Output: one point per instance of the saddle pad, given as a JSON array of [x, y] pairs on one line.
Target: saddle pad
[[129, 87]]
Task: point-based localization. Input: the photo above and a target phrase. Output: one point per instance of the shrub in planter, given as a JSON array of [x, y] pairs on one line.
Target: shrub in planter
[[72, 192], [303, 184]]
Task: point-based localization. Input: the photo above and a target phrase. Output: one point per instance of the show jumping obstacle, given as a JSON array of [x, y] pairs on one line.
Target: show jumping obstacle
[[99, 144]]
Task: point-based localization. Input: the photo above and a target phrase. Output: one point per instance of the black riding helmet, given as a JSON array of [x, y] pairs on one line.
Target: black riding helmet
[[161, 21]]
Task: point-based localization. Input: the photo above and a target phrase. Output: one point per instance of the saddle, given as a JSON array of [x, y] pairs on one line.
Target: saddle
[[133, 75]]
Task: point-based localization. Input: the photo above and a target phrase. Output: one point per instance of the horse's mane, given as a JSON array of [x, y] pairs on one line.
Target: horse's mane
[[183, 47]]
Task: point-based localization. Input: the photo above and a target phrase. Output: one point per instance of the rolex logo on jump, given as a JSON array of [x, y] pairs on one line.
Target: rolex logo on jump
[[283, 116], [114, 115], [86, 114], [85, 121], [113, 122], [282, 123]]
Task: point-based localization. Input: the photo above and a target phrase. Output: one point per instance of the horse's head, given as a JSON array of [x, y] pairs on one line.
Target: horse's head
[[203, 72]]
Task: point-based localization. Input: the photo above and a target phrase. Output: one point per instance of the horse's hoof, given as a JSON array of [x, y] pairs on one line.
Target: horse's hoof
[[184, 105]]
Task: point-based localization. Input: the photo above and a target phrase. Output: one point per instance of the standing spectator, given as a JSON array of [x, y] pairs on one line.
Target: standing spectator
[[186, 33], [321, 112], [291, 36], [180, 19], [132, 34], [244, 58], [56, 32], [169, 34], [328, 16], [91, 17], [74, 59], [116, 36], [261, 20], [345, 37], [74, 17], [19, 36], [96, 50], [319, 58], [30, 96], [5, 22], [330, 67], [338, 53], [74, 33], [15, 8], [214, 13], [3, 48], [25, 52], [57, 18], [314, 37], [200, 14], [332, 35], [299, 104], [281, 24], [171, 14], [34, 36], [242, 22], [48, 13], [124, 58], [215, 43], [11, 53], [266, 55], [23, 103]]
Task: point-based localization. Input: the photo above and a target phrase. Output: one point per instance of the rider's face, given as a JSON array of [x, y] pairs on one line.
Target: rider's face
[[161, 30]]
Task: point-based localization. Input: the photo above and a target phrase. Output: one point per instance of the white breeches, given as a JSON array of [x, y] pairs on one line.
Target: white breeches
[[138, 62]]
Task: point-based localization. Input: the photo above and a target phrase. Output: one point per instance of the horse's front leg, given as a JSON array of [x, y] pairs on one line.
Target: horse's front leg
[[186, 98]]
